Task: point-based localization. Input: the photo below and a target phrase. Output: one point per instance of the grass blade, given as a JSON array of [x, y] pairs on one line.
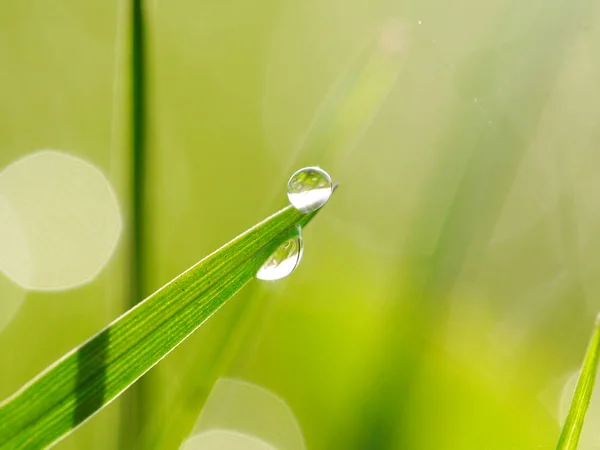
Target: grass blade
[[135, 405], [569, 437], [138, 149], [89, 377]]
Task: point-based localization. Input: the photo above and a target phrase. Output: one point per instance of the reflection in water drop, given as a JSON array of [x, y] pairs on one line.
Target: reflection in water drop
[[309, 189], [283, 261], [68, 221], [590, 436], [225, 439]]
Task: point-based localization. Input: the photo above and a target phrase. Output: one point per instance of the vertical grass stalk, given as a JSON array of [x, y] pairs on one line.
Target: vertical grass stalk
[[133, 404]]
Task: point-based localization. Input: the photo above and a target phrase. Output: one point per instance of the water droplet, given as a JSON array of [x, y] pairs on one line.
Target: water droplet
[[283, 261], [309, 189]]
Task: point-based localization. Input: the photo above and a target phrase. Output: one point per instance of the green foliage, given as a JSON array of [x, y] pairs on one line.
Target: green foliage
[[89, 377], [571, 431]]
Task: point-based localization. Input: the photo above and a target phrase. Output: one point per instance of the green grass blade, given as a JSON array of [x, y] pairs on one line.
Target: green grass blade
[[569, 437], [89, 377], [135, 406], [138, 150]]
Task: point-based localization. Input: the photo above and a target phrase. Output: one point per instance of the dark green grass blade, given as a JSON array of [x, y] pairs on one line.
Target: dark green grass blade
[[135, 406], [571, 431], [90, 376]]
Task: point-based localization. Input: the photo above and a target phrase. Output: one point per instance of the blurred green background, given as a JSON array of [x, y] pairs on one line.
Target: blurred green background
[[447, 290]]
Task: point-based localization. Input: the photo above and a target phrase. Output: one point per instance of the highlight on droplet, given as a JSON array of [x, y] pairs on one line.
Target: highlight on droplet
[[64, 221]]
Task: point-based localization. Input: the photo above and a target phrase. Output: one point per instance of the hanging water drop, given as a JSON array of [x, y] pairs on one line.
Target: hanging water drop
[[283, 261], [309, 189]]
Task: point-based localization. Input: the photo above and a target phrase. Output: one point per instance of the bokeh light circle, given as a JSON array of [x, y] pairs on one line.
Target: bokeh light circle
[[63, 222], [253, 412], [11, 300], [12, 241], [225, 439]]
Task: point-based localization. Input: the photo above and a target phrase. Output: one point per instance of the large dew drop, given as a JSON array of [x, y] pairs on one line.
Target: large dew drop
[[309, 189], [283, 261]]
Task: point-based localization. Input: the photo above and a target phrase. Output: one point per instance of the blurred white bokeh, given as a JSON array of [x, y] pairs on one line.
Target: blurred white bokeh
[[12, 242], [59, 221], [12, 299], [225, 439], [251, 416], [14, 247]]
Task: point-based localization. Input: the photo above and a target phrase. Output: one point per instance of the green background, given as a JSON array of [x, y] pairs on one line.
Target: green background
[[450, 285]]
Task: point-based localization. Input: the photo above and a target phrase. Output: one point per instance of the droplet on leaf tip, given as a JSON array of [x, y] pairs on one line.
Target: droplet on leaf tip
[[309, 188]]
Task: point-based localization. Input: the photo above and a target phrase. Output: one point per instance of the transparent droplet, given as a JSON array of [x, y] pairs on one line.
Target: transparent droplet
[[283, 261], [309, 189]]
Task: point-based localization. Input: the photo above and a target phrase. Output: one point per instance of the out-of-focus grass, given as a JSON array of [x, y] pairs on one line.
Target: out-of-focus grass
[[569, 437], [483, 163], [135, 403]]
